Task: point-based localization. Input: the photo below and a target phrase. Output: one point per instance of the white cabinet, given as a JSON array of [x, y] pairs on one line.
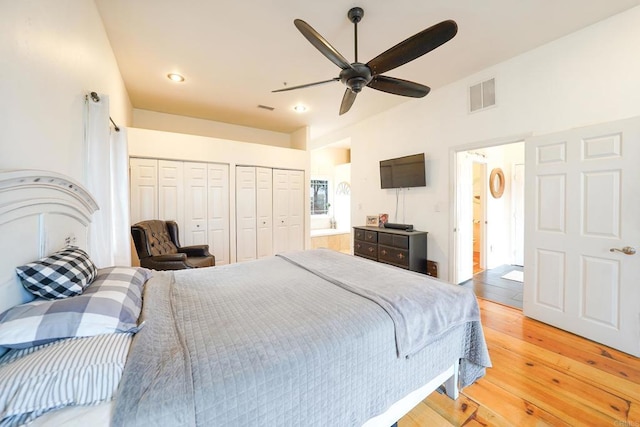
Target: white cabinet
[[195, 195], [269, 211]]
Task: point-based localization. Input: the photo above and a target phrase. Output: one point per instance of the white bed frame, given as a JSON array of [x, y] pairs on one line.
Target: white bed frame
[[42, 212]]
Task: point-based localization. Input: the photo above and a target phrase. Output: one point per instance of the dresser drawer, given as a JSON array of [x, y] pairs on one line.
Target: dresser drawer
[[371, 236], [395, 240], [358, 234], [367, 250], [395, 256]]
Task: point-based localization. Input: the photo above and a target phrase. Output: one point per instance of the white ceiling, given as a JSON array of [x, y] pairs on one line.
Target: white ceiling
[[233, 53]]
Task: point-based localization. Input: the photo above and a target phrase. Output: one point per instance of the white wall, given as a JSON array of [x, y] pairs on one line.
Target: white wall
[[53, 52], [500, 238], [146, 119], [167, 145], [588, 77]]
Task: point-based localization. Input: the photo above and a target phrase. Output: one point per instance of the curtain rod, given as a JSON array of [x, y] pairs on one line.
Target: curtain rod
[[96, 98]]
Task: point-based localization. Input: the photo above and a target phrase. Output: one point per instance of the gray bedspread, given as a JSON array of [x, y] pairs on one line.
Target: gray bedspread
[[421, 313], [267, 343]]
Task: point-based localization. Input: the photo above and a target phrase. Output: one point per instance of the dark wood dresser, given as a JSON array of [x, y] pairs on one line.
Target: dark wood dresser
[[404, 249]]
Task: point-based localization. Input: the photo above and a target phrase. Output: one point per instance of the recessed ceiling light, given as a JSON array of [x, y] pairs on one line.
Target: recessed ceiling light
[[299, 108], [175, 77]]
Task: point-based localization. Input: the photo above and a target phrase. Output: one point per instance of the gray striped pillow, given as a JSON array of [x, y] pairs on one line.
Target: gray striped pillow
[[74, 371]]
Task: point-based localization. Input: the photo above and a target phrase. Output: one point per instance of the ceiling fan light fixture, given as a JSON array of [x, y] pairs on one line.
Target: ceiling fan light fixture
[[175, 77], [299, 108]]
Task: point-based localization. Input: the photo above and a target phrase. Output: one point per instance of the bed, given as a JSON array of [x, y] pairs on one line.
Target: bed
[[308, 338]]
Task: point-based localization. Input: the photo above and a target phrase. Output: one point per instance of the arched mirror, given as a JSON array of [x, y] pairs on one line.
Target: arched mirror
[[496, 183]]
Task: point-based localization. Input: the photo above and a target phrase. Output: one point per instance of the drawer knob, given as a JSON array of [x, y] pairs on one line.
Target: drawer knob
[[370, 249], [358, 245], [383, 252], [400, 256]]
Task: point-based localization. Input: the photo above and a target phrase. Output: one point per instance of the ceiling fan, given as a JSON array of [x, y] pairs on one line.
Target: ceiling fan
[[357, 75]]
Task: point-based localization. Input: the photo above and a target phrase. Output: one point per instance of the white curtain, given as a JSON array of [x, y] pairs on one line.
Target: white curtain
[[106, 177], [120, 227]]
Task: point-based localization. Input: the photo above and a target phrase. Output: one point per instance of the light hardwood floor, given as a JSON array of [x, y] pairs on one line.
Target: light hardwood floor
[[540, 376]]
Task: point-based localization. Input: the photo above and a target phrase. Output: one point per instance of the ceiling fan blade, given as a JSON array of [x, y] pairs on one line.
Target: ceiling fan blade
[[321, 44], [347, 101], [399, 86], [335, 79], [413, 47]]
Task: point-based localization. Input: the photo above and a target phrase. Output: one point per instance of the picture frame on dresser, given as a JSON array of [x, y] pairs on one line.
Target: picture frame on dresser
[[372, 220]]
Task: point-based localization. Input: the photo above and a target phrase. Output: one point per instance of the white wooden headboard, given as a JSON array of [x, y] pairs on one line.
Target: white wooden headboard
[[40, 213]]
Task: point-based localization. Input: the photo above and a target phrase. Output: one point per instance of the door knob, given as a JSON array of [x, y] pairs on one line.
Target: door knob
[[627, 250]]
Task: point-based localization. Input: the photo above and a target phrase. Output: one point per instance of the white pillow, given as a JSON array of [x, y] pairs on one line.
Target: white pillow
[[74, 371]]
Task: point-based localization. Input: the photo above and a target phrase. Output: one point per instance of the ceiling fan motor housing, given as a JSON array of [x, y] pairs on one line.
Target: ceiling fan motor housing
[[357, 77]]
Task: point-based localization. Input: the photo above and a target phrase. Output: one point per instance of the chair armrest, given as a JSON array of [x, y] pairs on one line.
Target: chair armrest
[[170, 257], [195, 250], [166, 262]]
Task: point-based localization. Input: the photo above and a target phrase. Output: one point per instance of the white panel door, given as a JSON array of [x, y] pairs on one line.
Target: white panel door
[[171, 193], [245, 213], [288, 210], [581, 202], [280, 210], [144, 189], [464, 218], [195, 204], [296, 210], [264, 211], [518, 214], [218, 212]]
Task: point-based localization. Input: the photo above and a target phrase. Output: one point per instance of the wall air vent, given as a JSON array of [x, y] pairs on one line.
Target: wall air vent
[[266, 107], [482, 95]]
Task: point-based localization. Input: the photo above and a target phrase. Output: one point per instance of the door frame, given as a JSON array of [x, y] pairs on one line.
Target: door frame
[[482, 245], [453, 191]]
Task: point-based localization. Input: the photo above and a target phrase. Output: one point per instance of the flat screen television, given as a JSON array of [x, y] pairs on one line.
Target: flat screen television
[[403, 172]]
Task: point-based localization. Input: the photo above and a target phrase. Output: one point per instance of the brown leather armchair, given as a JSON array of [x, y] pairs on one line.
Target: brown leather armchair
[[159, 248]]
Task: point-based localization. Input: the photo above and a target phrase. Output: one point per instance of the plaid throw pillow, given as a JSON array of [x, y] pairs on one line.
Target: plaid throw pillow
[[60, 275], [111, 304]]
